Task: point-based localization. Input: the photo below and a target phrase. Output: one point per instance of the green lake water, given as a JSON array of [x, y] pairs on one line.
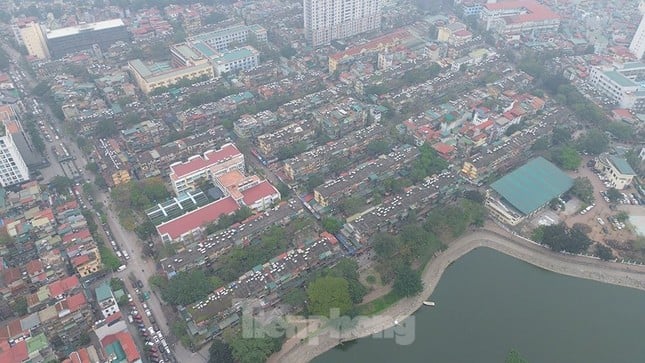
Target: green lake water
[[489, 303]]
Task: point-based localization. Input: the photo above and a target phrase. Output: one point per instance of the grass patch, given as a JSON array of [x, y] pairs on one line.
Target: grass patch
[[377, 305]]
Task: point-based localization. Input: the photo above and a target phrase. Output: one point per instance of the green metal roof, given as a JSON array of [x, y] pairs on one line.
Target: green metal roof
[[533, 185], [622, 165], [115, 352], [103, 292], [620, 79]]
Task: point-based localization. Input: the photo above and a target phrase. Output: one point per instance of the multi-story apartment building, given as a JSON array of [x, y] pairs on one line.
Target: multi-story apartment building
[[622, 85], [105, 299], [637, 45], [516, 16], [341, 117], [337, 19], [63, 41], [185, 175], [33, 38], [239, 34], [13, 169]]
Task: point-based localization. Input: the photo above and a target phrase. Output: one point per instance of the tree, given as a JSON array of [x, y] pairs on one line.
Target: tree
[[332, 225], [583, 189], [220, 352], [378, 147], [594, 142], [621, 131], [187, 287], [132, 118], [566, 157], [385, 245], [61, 184], [20, 307], [560, 136], [514, 357], [253, 350], [327, 293], [145, 230], [560, 238], [92, 167], [614, 195], [604, 252], [5, 237], [313, 181], [288, 52], [407, 282], [106, 128], [540, 144], [108, 258]]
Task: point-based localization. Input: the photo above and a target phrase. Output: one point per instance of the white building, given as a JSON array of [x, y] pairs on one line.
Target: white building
[[186, 175], [327, 20], [105, 299], [637, 46], [13, 169], [243, 58], [618, 172], [517, 16], [623, 84]]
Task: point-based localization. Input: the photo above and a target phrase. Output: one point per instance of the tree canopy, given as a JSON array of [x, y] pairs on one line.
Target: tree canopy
[[583, 189], [332, 225], [594, 142], [253, 350], [407, 282], [327, 293], [566, 157], [559, 238], [220, 352], [187, 287], [61, 184]]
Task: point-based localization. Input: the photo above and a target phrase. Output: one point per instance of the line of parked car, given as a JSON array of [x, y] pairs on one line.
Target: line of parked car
[[155, 343]]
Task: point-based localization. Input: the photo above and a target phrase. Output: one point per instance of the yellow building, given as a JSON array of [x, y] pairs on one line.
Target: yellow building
[[88, 263], [469, 170], [157, 75], [121, 177], [34, 39]]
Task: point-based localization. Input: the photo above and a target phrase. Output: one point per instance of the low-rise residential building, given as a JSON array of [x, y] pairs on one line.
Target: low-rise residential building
[[105, 300], [254, 125], [270, 144], [339, 118], [617, 170], [352, 146], [355, 182]]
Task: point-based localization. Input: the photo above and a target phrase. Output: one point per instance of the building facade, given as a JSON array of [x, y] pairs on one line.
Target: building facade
[[33, 38], [621, 84], [637, 45], [239, 34], [618, 172], [328, 20], [13, 169], [61, 42], [516, 16], [186, 175]]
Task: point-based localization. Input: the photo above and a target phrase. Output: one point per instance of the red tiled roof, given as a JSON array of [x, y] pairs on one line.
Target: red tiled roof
[[113, 317], [83, 234], [34, 267], [442, 148], [536, 11], [127, 343], [329, 237], [79, 356], [11, 275], [16, 354], [75, 302], [199, 162], [60, 287], [387, 39], [198, 218], [259, 191], [79, 260]]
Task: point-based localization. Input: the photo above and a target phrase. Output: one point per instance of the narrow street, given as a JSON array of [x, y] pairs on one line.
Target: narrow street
[[141, 268]]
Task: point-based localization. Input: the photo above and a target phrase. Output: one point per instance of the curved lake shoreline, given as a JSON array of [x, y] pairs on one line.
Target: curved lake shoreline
[[582, 267]]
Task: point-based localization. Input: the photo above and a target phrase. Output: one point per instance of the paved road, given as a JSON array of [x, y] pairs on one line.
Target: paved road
[[141, 269]]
